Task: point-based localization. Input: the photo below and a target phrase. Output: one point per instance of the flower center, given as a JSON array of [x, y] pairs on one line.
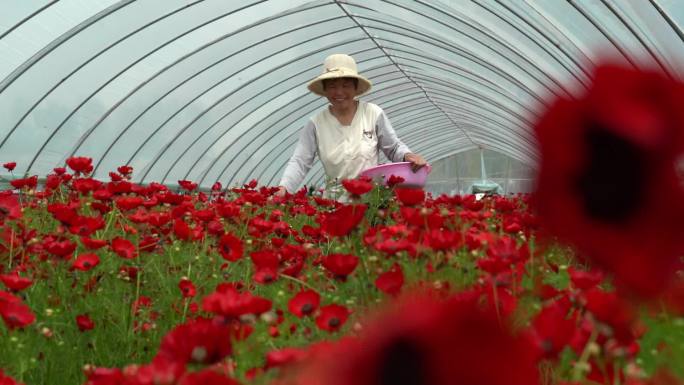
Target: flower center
[[614, 181], [199, 354], [307, 308], [402, 363], [334, 322]]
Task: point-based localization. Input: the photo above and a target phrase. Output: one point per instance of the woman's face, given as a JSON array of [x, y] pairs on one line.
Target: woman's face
[[340, 92]]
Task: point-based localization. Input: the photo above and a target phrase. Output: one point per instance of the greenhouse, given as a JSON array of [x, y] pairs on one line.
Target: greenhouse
[[238, 191]]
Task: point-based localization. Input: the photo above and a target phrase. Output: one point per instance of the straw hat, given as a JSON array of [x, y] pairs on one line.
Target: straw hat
[[339, 66]]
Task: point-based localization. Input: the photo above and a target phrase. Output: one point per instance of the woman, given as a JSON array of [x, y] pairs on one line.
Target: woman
[[348, 134]]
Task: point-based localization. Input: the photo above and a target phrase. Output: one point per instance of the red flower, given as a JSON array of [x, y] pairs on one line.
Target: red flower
[[358, 187], [394, 180], [442, 239], [283, 357], [16, 314], [128, 202], [266, 264], [124, 170], [228, 302], [390, 282], [59, 170], [343, 220], [10, 208], [554, 328], [206, 376], [409, 196], [304, 303], [124, 248], [182, 230], [28, 182], [201, 341], [341, 265], [7, 380], [425, 341], [159, 371], [187, 288], [187, 185], [10, 165], [613, 311], [15, 282], [607, 180], [61, 248], [585, 280], [332, 317], [80, 164], [86, 226], [93, 244], [86, 262], [230, 247], [84, 322]]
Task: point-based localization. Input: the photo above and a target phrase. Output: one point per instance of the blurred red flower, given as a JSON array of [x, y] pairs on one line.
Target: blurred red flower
[[554, 327], [29, 182], [426, 341], [59, 247], [584, 280], [283, 357], [10, 208], [343, 220], [86, 226], [14, 282], [7, 380], [230, 247], [80, 164], [202, 341], [124, 170], [187, 288], [340, 265], [84, 322], [187, 185], [390, 282], [332, 317], [607, 181], [124, 248], [182, 230], [207, 376], [409, 196], [128, 202], [394, 180], [304, 303], [93, 244], [15, 313], [9, 165], [358, 187], [227, 301]]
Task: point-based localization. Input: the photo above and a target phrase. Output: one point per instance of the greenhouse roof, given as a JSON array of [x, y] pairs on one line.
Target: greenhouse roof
[[215, 90]]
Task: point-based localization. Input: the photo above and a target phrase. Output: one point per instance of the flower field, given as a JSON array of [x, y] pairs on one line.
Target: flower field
[[118, 283]]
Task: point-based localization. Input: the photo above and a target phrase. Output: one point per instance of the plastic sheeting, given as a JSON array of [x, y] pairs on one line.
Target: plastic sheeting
[[214, 90]]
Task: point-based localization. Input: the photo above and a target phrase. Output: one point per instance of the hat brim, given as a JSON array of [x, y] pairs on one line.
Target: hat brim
[[316, 85]]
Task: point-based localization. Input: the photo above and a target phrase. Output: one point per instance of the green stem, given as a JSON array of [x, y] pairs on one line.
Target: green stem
[[299, 281], [578, 371], [11, 250]]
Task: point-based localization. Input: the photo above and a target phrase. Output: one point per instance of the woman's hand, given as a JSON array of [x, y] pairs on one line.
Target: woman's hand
[[416, 160], [281, 191]]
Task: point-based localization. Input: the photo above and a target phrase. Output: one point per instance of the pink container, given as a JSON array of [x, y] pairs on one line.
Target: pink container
[[401, 169]]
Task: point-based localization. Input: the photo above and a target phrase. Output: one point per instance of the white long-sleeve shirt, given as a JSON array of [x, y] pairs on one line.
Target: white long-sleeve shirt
[[345, 151]]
